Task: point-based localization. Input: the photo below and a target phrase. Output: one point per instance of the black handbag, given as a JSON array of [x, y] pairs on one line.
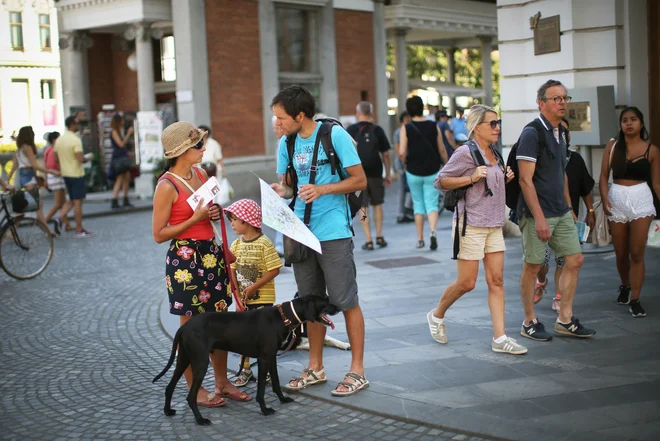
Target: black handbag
[[24, 201]]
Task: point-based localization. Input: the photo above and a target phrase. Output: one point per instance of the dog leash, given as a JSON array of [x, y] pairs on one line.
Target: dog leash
[[292, 327]]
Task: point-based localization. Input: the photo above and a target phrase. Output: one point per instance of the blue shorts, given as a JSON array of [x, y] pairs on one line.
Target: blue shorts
[[26, 176], [425, 197], [75, 187]]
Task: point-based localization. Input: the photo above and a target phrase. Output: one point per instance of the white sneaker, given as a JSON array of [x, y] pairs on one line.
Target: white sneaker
[[438, 330], [509, 346]]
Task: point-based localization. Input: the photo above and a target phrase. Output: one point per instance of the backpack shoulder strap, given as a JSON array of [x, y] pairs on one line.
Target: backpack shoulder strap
[[325, 134], [540, 131], [290, 170], [477, 157]]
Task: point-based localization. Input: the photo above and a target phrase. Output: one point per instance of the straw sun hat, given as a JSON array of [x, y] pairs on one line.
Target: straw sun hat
[[179, 137]]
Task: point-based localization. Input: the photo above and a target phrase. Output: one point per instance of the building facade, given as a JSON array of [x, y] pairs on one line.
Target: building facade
[[607, 44], [30, 80]]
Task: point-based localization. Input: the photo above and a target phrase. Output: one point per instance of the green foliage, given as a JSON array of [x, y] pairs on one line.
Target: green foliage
[[431, 62]]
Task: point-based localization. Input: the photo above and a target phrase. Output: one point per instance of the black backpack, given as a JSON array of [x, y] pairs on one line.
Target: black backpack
[[367, 148], [513, 191], [453, 196], [325, 131]]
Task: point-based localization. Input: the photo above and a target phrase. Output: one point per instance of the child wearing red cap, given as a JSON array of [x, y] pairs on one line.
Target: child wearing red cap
[[257, 263]]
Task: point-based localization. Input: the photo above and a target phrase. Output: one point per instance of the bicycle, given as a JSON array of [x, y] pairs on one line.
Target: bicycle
[[26, 245]]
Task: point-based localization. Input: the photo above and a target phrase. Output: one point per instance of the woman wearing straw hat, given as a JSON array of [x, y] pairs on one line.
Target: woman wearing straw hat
[[196, 277]]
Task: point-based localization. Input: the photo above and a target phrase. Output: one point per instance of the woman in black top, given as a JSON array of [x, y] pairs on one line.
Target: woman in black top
[[423, 152], [628, 203]]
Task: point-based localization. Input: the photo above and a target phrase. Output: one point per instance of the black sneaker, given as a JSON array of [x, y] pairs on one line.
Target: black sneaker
[[624, 295], [636, 309], [434, 242], [535, 331], [574, 329]]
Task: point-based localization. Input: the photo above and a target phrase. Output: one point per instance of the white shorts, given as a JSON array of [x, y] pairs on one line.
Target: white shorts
[[630, 203], [55, 182]]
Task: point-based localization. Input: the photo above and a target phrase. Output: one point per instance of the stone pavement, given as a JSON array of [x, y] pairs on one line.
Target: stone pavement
[[82, 342], [606, 388]]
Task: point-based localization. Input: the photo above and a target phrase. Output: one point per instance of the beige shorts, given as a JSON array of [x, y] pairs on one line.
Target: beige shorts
[[479, 241]]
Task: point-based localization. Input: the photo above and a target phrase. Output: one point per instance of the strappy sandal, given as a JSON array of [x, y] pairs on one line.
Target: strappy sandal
[[243, 379], [301, 381], [380, 241], [235, 396], [420, 244], [212, 400], [369, 246], [359, 382]]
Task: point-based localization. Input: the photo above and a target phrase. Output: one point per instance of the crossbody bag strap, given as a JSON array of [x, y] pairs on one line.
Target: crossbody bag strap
[[426, 141], [312, 178], [225, 244]]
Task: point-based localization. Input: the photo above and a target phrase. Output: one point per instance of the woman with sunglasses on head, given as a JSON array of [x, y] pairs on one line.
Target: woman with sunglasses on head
[[484, 208], [195, 270], [628, 203]]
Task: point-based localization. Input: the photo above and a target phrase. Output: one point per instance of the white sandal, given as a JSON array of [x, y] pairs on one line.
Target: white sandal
[[313, 377], [352, 386]]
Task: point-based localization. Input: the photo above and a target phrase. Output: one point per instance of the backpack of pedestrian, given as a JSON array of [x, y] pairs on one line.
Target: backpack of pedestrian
[[513, 191]]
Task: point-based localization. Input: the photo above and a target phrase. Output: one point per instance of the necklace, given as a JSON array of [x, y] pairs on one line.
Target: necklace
[[191, 175]]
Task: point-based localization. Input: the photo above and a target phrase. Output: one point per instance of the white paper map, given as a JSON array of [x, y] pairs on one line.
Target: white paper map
[[277, 215], [206, 192]]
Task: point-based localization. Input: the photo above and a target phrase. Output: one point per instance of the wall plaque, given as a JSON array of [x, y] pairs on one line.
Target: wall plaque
[[579, 116], [547, 36]]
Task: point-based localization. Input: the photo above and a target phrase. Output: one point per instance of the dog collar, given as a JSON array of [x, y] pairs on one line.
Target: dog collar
[[287, 321]]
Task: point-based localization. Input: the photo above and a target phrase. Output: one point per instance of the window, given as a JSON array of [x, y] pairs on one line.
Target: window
[[44, 32], [167, 59], [298, 48], [48, 102], [16, 30]]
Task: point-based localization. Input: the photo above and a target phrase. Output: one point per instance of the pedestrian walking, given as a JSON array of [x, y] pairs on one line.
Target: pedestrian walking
[[374, 151], [628, 202], [442, 119], [69, 151], [404, 199], [257, 264], [422, 151], [482, 219], [580, 185], [546, 213], [56, 185], [333, 271], [458, 126], [195, 270], [121, 159], [213, 159], [25, 160]]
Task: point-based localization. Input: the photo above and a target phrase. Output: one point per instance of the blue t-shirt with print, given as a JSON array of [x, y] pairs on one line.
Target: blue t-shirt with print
[[330, 216]]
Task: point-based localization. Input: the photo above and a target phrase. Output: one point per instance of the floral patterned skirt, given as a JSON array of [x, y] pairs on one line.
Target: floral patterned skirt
[[196, 277]]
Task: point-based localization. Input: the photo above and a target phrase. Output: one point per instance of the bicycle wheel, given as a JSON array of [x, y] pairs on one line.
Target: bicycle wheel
[[26, 248]]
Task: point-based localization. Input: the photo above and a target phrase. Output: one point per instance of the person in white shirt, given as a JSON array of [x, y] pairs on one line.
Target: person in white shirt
[[213, 153]]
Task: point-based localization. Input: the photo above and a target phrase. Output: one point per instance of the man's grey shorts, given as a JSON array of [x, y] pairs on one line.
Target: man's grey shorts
[[334, 271]]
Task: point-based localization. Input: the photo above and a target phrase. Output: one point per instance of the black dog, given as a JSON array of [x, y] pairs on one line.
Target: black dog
[[257, 334]]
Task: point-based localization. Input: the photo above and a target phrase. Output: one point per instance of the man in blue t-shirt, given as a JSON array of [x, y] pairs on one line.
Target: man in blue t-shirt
[[333, 271], [441, 119], [459, 127]]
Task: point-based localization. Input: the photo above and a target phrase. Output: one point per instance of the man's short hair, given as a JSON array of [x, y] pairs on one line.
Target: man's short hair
[[403, 115], [440, 114], [207, 129], [69, 121], [364, 108], [540, 93], [295, 99], [415, 106]]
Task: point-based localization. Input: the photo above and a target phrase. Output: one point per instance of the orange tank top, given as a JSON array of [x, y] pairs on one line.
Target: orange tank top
[[181, 211]]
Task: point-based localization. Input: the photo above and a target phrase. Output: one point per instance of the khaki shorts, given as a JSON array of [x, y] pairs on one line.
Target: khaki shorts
[[563, 238], [478, 241]]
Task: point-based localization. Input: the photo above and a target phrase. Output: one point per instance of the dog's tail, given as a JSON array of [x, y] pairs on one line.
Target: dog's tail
[[175, 343]]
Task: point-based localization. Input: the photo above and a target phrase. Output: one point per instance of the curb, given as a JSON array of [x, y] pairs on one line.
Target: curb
[[117, 212]]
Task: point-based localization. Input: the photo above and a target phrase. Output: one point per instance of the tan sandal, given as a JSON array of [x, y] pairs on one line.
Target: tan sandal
[[302, 381], [359, 383]]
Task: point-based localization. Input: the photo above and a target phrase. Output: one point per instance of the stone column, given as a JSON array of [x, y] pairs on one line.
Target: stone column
[[487, 69], [270, 83], [145, 67], [451, 78], [401, 67], [328, 61], [73, 61], [380, 65], [192, 71]]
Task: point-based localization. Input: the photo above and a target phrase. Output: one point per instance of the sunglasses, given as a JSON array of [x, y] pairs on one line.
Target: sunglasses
[[199, 145], [494, 123]]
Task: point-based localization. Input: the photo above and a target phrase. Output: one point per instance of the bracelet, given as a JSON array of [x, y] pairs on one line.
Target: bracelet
[[591, 210]]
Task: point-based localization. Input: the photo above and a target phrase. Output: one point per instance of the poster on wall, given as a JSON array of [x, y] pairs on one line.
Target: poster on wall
[[579, 116], [149, 126]]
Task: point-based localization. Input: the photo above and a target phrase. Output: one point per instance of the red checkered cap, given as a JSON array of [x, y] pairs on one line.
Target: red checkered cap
[[246, 210]]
